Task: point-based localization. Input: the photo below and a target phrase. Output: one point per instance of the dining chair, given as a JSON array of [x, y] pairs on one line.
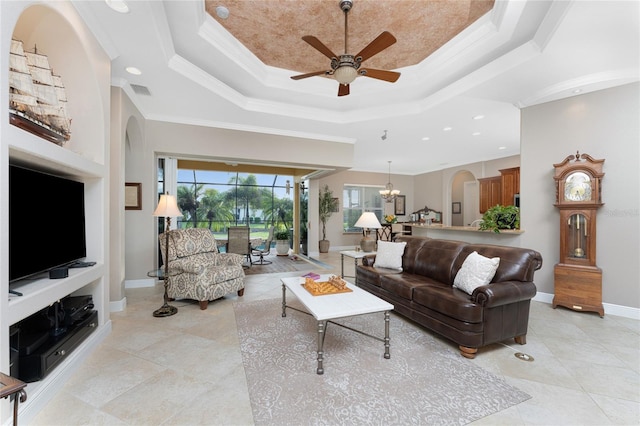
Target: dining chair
[[263, 249], [238, 241]]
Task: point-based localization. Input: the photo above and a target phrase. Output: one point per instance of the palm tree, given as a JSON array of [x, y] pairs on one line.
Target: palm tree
[[214, 207], [188, 202], [245, 194]]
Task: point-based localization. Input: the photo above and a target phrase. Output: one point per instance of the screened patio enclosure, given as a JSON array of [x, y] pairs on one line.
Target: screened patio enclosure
[[255, 196]]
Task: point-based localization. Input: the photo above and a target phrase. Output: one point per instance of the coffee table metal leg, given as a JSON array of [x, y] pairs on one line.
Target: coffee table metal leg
[[387, 355], [341, 265], [322, 325], [284, 301]]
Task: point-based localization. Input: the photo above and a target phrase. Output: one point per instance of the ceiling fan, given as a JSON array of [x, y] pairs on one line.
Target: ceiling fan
[[345, 68]]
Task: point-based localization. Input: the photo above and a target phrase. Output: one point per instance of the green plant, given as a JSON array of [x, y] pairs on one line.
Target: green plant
[[327, 206], [282, 235], [500, 217]]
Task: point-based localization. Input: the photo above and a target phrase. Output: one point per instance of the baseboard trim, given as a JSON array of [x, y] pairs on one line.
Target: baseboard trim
[[145, 282], [118, 305], [609, 308]]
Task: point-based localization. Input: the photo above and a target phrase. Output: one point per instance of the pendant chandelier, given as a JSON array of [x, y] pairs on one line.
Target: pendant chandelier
[[388, 193]]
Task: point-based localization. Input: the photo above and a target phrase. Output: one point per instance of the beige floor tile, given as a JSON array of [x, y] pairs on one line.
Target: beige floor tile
[[158, 398], [112, 380], [65, 409]]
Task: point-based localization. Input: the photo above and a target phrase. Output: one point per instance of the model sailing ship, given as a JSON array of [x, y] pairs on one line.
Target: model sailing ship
[[37, 98]]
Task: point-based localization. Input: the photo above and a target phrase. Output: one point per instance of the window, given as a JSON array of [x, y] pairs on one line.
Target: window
[[357, 199], [218, 199]]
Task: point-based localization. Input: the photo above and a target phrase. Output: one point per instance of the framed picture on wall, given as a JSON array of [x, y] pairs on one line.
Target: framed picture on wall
[[132, 196], [399, 205], [456, 207]]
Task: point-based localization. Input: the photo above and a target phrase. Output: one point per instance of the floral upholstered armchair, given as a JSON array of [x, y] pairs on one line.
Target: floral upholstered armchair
[[197, 270]]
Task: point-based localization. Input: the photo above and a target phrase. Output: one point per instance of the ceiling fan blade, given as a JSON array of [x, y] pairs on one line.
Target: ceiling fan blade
[[390, 76], [381, 42], [311, 74], [343, 89], [317, 44]]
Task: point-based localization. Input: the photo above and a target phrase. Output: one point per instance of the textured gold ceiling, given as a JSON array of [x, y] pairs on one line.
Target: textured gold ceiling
[[273, 29]]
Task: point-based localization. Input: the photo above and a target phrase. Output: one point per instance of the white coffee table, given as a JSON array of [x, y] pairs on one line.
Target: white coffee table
[[325, 308]]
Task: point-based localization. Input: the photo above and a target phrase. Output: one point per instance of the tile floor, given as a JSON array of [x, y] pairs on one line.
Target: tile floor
[[187, 369]]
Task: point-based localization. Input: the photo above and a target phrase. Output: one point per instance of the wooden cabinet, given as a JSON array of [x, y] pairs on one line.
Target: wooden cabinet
[[499, 189], [510, 179], [490, 192]]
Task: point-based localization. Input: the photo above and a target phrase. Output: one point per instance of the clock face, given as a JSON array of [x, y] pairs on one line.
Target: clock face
[[577, 187]]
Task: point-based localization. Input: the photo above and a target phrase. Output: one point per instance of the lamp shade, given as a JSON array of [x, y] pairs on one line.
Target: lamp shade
[[167, 207], [368, 220]]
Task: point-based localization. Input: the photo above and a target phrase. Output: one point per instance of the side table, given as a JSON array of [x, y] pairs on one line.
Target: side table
[[355, 255], [11, 386]]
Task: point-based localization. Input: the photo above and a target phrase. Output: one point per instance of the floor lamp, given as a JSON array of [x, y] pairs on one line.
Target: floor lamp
[[367, 221], [167, 208]]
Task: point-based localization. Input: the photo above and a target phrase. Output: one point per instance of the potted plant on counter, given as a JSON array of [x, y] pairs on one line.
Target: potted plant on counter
[[327, 206], [500, 217]]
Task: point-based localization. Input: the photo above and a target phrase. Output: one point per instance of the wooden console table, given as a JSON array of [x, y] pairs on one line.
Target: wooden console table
[[10, 386]]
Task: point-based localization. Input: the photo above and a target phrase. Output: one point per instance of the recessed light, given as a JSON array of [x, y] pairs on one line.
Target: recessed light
[[448, 129], [502, 147], [118, 5], [222, 12], [577, 91], [426, 138], [133, 70], [478, 117], [475, 134]]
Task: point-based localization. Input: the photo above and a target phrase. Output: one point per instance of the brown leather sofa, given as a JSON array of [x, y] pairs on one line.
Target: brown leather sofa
[[424, 292]]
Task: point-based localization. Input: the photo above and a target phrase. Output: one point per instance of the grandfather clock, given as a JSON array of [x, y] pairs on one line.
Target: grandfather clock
[[577, 279]]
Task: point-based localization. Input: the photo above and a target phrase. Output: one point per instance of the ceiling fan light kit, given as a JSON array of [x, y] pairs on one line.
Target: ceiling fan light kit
[[345, 68]]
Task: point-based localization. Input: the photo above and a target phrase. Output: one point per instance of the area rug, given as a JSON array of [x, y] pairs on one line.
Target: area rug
[[424, 382], [291, 263]]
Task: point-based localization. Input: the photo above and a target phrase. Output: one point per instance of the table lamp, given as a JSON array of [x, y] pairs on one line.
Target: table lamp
[[367, 221], [167, 208]]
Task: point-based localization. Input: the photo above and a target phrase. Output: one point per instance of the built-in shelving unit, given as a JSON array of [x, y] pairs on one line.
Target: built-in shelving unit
[[59, 32]]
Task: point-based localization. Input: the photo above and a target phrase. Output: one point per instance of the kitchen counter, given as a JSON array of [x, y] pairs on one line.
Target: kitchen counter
[[440, 227], [470, 234]]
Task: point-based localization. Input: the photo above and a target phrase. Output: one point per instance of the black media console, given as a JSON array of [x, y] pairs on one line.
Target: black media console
[[46, 338]]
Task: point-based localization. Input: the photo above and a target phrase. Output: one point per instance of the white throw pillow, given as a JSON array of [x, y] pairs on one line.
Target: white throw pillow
[[389, 255], [476, 271]]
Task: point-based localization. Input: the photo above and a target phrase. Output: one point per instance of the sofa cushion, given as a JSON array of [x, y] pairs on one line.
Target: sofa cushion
[[389, 255], [476, 271], [436, 258], [516, 263], [449, 301], [403, 285]]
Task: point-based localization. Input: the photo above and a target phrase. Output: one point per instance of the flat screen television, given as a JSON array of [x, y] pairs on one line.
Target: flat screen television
[[46, 222]]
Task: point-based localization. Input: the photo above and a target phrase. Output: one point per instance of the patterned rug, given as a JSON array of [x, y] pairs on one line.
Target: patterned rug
[[425, 382], [278, 264]]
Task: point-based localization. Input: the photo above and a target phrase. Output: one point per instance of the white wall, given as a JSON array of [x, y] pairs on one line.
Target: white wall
[[605, 125]]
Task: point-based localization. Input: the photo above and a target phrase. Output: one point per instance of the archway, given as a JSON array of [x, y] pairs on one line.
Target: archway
[[464, 198]]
